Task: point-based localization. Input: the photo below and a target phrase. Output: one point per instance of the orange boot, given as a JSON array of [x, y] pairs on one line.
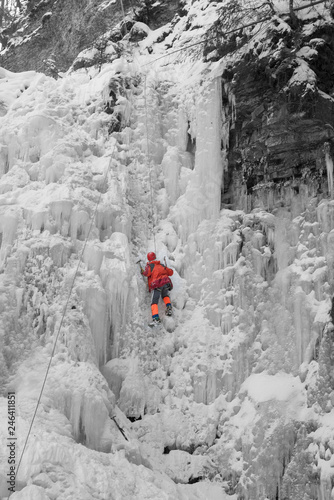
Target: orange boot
[[155, 313]]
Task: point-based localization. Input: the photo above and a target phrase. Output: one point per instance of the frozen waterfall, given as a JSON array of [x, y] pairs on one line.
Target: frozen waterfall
[[232, 398]]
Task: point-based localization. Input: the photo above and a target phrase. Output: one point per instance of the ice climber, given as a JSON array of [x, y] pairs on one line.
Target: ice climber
[[159, 283]]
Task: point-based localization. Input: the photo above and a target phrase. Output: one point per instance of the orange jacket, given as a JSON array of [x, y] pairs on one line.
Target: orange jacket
[[157, 274]]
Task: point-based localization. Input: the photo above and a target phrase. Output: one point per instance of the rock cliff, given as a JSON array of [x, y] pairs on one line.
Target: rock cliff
[[281, 115], [61, 29]]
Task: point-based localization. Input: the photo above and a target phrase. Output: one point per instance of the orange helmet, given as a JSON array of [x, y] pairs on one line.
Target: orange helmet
[[151, 256]]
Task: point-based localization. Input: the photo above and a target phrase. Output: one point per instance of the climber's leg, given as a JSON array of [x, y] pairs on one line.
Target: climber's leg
[[166, 299], [154, 303]]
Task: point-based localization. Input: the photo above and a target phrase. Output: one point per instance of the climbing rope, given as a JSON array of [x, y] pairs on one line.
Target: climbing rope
[[63, 315]]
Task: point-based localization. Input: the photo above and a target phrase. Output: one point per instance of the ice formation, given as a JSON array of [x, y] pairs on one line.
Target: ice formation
[[329, 168], [201, 199], [231, 399]]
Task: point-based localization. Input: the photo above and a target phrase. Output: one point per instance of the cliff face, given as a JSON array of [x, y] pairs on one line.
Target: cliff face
[[63, 28], [281, 115]]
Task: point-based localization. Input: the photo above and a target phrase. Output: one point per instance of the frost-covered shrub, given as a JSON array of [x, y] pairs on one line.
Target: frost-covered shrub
[[103, 51], [266, 469], [17, 337], [25, 309], [301, 477]]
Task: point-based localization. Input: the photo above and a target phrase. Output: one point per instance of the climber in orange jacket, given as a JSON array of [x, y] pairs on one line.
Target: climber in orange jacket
[[159, 283]]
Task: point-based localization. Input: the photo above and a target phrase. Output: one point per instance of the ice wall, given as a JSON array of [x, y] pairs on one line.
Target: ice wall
[[116, 278], [57, 166], [259, 296]]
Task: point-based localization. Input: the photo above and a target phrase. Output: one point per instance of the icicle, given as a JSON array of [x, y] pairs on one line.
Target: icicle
[[257, 261], [61, 211], [93, 257], [322, 215], [79, 225], [228, 276], [96, 310], [116, 274], [171, 170], [86, 401], [54, 172], [227, 320], [266, 257], [224, 240], [8, 227], [282, 247], [231, 254], [182, 136], [132, 398], [202, 197], [123, 106], [329, 167], [231, 100]]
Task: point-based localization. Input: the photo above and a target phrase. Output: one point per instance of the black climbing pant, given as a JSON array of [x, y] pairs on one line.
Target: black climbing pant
[[163, 291]]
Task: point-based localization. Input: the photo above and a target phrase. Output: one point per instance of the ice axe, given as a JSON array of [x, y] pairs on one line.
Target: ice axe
[[140, 265]]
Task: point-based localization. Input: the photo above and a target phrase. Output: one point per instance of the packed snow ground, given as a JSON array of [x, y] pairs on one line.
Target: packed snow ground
[[211, 398]]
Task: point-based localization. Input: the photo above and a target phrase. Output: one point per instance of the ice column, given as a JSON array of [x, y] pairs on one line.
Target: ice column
[[208, 158], [171, 169], [115, 274], [96, 307], [202, 197], [329, 167], [8, 226]]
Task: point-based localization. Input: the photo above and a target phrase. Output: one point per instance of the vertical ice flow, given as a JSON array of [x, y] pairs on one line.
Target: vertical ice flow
[[329, 167], [203, 194]]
